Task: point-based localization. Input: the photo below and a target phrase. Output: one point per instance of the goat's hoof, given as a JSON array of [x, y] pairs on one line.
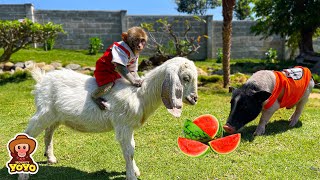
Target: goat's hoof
[[52, 160], [131, 178], [102, 104], [23, 177], [137, 172], [293, 122]]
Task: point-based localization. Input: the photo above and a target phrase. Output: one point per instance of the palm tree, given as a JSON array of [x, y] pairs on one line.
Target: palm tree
[[227, 10]]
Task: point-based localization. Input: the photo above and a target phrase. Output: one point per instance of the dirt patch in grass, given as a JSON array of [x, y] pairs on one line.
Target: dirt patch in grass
[[314, 95]]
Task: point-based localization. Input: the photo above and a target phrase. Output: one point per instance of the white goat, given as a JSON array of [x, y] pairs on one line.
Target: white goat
[[64, 97]]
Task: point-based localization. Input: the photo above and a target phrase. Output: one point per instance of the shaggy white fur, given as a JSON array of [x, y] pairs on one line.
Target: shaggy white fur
[[64, 97]]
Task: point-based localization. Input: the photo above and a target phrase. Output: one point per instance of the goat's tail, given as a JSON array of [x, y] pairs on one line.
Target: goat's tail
[[36, 73]]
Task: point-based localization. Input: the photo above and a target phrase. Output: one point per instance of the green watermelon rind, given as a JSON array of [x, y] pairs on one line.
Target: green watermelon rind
[[220, 131], [221, 139], [194, 132], [204, 151], [214, 119]]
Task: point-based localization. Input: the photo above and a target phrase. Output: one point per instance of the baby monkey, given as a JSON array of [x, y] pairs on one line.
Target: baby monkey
[[119, 60]]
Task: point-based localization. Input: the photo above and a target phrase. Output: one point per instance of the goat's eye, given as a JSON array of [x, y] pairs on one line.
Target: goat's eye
[[186, 78]]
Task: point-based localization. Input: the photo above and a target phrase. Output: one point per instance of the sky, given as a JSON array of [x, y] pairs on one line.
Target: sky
[[133, 7]]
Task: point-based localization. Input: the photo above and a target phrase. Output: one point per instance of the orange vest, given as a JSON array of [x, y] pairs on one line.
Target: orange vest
[[294, 87]]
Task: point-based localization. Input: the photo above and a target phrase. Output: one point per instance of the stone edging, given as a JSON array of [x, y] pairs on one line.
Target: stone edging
[[22, 66]]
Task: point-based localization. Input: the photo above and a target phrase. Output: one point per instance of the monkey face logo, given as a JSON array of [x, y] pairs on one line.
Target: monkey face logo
[[20, 150]]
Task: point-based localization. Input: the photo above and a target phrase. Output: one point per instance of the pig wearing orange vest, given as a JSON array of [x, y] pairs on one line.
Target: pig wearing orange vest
[[267, 91]]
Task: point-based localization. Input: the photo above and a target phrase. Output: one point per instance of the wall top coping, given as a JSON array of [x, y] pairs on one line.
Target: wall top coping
[[116, 11], [25, 4], [144, 15], [236, 21]]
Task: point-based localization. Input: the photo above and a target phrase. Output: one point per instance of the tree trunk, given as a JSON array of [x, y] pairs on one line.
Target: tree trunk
[[227, 12], [307, 56], [5, 56], [305, 44]]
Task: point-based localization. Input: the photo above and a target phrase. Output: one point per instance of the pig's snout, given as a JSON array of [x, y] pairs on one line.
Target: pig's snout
[[229, 129]]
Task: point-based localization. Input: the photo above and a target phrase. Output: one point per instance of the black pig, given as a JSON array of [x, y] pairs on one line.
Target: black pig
[[267, 91]]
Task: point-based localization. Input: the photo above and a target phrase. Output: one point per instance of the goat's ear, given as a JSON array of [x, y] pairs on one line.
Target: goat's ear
[[171, 93]]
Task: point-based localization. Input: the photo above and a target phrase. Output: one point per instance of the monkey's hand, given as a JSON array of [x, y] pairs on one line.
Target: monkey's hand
[[134, 80], [137, 82]]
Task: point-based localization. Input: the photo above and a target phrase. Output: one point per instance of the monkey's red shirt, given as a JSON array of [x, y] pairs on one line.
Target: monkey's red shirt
[[294, 82], [117, 53]]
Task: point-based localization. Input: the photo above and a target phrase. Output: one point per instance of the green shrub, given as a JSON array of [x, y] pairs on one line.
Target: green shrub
[[271, 55], [48, 44], [238, 79], [316, 79], [219, 55], [18, 76], [209, 79], [95, 45]]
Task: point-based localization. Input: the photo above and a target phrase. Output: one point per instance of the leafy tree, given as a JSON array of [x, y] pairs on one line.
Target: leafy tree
[[227, 12], [176, 45], [198, 7], [15, 35], [170, 43], [242, 9], [296, 19]]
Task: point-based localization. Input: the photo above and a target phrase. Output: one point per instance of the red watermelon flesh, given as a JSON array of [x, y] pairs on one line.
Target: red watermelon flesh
[[191, 147], [208, 123], [226, 144]]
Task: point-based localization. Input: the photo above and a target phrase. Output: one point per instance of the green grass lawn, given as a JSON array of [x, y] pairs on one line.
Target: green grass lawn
[[282, 153]]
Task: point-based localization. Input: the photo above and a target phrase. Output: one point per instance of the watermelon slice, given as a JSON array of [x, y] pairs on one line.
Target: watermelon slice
[[191, 147], [192, 131], [226, 144], [209, 124], [220, 131]]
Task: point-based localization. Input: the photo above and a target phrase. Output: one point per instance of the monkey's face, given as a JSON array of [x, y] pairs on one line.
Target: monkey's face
[[136, 44], [136, 38]]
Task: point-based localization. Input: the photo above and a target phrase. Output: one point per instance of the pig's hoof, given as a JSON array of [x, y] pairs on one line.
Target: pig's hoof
[[259, 132], [229, 129]]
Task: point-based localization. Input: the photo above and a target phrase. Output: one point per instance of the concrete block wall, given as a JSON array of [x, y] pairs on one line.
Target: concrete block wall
[[16, 11], [244, 43], [80, 26], [108, 26]]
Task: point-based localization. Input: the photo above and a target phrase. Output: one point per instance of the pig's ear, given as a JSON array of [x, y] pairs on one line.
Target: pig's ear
[[262, 95], [231, 89]]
